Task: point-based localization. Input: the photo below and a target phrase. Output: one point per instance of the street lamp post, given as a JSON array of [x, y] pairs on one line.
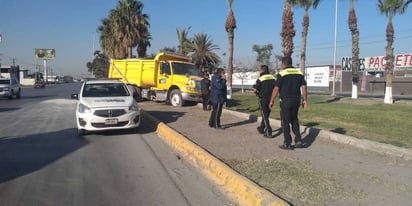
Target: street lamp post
[[94, 33], [334, 49]]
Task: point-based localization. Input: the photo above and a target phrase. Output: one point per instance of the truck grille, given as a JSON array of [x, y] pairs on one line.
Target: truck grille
[[197, 85], [109, 112]]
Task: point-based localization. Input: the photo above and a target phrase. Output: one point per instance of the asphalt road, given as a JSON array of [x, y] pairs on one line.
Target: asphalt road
[[43, 162]]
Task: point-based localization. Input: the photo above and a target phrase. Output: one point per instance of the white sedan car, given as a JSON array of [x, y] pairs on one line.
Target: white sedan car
[[106, 105]]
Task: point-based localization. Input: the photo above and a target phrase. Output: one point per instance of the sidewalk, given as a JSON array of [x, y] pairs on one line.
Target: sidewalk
[[377, 179]]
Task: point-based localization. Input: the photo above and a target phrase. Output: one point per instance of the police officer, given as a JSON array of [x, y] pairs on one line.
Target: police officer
[[291, 86], [263, 89], [205, 89], [218, 96]]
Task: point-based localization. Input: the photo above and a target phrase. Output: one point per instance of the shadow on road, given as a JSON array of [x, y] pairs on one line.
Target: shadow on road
[[144, 128], [20, 156], [166, 116], [311, 136], [252, 119], [39, 97], [9, 109], [339, 130]]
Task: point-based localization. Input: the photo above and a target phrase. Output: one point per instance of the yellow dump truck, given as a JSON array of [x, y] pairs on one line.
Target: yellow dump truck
[[167, 78]]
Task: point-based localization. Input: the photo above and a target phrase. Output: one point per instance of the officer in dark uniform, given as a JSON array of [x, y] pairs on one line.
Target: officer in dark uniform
[[218, 95], [263, 89], [291, 86], [205, 89]]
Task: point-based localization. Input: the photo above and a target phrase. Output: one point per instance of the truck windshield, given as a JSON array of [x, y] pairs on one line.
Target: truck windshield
[[4, 81], [185, 69]]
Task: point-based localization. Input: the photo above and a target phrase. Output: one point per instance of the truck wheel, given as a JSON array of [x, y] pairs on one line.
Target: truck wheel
[[175, 98], [11, 94], [18, 94]]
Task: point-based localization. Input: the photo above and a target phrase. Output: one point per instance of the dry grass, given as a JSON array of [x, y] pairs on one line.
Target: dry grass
[[294, 178]]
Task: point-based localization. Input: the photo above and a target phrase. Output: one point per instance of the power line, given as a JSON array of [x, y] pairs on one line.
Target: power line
[[350, 44]]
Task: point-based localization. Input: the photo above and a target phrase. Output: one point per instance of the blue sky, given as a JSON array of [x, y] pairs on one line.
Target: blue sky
[[68, 27]]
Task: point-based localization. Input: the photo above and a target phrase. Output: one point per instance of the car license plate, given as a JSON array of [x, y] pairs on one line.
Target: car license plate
[[111, 121]]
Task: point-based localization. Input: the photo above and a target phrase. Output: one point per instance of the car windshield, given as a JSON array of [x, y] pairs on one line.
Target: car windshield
[[4, 81], [185, 69], [105, 90]]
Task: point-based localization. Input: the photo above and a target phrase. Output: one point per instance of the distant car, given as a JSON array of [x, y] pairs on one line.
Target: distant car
[[10, 88], [40, 84], [106, 105]]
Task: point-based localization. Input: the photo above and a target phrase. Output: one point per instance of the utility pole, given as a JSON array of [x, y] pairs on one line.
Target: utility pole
[[334, 49], [93, 53], [1, 39]]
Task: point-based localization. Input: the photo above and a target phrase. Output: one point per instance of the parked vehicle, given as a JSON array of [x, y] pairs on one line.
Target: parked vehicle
[[106, 105], [168, 77], [39, 84], [10, 88]]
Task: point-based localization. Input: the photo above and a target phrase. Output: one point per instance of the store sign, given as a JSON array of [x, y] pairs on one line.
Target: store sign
[[378, 63], [317, 76]]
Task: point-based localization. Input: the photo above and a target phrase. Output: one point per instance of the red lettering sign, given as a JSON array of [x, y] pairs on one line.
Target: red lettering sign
[[398, 61]]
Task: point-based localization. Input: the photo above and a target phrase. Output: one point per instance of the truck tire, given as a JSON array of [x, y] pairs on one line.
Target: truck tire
[[175, 98], [11, 94], [18, 94]]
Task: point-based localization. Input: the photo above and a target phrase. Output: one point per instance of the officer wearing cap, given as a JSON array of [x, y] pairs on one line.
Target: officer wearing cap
[[291, 86], [263, 89]]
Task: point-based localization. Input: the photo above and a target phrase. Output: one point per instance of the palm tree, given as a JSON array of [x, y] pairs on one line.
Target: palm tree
[[390, 8], [133, 23], [203, 47], [230, 26], [109, 40], [124, 28], [288, 30], [306, 4], [184, 42], [143, 43], [353, 27]]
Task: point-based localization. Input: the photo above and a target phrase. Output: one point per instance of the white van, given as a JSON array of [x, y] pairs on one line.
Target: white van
[[10, 88]]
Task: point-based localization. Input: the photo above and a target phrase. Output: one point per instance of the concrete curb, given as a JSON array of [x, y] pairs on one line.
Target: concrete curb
[[239, 188], [363, 144]]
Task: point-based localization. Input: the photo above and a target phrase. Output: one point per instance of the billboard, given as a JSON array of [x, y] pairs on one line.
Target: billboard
[[44, 54], [317, 76], [378, 63]]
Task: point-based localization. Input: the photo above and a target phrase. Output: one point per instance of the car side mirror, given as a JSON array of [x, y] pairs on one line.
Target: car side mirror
[[75, 96]]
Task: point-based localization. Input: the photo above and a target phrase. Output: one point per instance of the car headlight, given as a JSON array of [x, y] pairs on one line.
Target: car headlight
[[84, 109], [133, 107]]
